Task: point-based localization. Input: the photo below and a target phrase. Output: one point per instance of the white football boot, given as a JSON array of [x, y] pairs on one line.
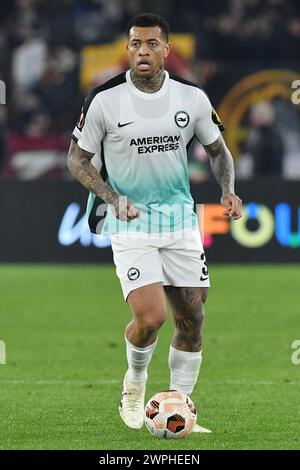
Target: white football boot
[[199, 428], [132, 404]]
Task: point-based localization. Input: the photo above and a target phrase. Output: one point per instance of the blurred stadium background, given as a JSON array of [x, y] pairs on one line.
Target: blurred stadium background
[[63, 325], [244, 53]]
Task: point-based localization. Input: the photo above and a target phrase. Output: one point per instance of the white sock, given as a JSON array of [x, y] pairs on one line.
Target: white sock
[[138, 360], [184, 367]]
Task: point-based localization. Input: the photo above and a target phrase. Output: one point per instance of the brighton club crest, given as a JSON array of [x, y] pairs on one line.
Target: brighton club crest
[[182, 119]]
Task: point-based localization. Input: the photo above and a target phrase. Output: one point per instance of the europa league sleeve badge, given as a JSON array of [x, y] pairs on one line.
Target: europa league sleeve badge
[[217, 120]]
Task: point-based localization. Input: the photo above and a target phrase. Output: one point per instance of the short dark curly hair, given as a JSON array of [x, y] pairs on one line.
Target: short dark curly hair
[[148, 20]]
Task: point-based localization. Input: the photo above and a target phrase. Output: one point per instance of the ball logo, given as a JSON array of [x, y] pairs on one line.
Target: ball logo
[[182, 119], [133, 274]]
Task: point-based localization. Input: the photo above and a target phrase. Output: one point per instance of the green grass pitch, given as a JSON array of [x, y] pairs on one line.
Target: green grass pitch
[[65, 360]]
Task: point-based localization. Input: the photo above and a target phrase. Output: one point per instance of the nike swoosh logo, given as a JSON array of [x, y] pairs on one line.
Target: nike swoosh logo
[[203, 278], [125, 124]]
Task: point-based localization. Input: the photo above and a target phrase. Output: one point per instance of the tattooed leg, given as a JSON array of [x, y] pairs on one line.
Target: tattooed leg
[[187, 310], [185, 353]]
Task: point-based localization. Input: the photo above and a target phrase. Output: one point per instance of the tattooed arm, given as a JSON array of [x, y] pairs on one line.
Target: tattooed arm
[[79, 164], [221, 163]]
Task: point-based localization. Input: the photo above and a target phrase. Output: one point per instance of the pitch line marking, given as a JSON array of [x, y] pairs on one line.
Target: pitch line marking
[[154, 382]]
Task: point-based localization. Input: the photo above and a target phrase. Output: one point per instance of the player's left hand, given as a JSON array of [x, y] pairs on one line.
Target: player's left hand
[[233, 205], [124, 210]]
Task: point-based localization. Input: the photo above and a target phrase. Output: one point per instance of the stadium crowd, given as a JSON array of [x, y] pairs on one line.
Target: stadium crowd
[[40, 42]]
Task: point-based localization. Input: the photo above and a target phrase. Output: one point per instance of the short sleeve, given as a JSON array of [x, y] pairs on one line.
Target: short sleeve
[[89, 130], [208, 124]]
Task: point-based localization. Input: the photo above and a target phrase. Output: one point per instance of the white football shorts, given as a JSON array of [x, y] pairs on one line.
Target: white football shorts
[[178, 262]]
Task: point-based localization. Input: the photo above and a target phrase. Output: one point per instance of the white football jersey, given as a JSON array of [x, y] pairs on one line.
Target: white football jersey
[[140, 142]]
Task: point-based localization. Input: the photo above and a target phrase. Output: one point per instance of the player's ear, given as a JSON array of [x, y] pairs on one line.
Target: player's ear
[[167, 50]]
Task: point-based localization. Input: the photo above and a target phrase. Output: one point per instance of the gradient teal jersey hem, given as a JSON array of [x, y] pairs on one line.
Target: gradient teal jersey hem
[[156, 218]]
